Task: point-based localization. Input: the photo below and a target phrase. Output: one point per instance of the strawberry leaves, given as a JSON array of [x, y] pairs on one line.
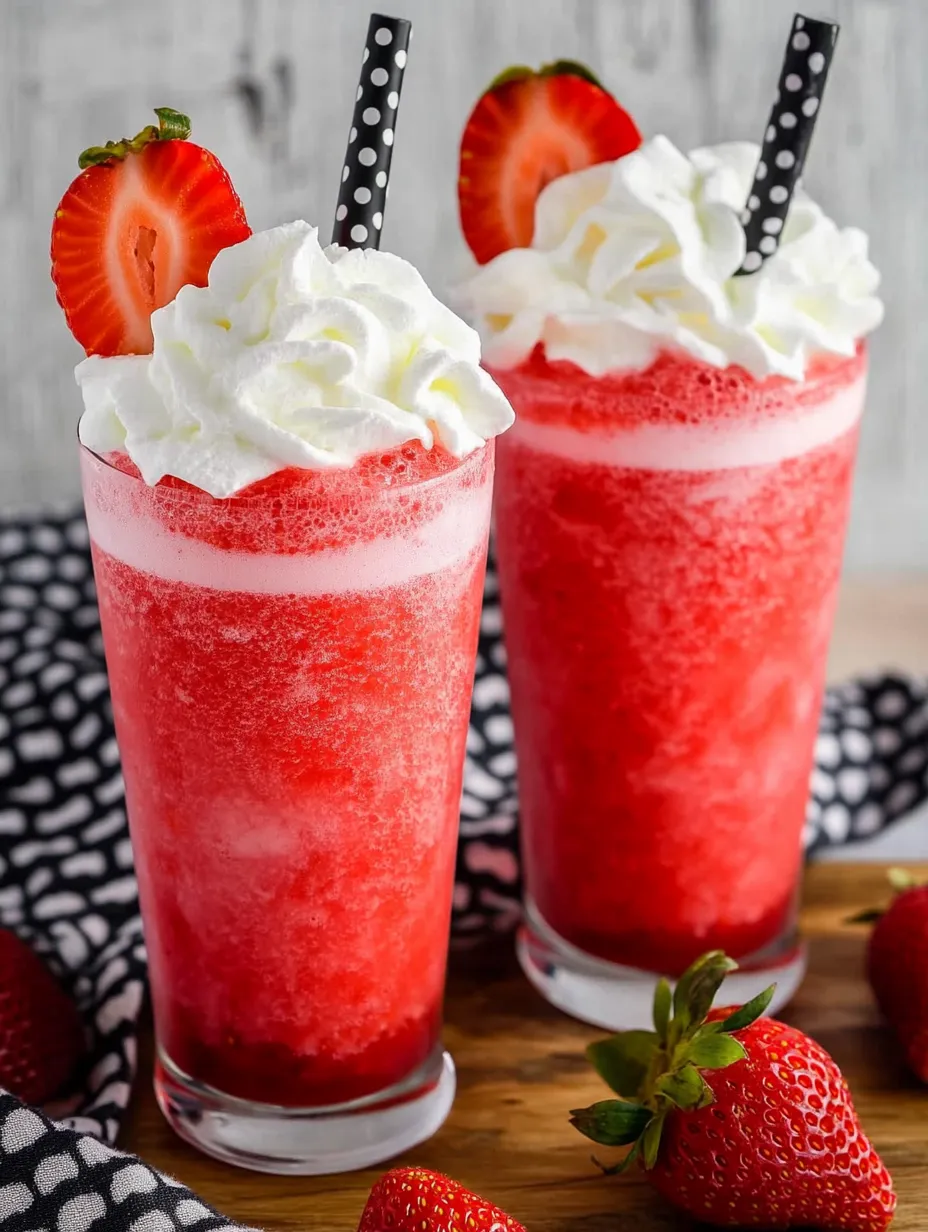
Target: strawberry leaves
[[685, 1088], [695, 992], [651, 1140], [172, 126], [623, 1060], [749, 1012], [715, 1051], [611, 1122], [660, 1070], [663, 1003]]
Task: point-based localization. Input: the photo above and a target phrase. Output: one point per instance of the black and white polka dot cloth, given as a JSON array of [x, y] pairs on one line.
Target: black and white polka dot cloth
[[52, 1177], [66, 879], [809, 52], [67, 887], [366, 173]]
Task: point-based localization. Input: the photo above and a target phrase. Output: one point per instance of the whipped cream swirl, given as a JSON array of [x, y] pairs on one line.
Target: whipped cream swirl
[[293, 355], [635, 256]]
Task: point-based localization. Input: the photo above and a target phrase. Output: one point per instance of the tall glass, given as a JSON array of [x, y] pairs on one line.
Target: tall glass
[[291, 672], [670, 545]]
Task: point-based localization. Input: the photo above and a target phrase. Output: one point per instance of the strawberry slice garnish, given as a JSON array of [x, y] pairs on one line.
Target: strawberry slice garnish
[[528, 129], [145, 216]]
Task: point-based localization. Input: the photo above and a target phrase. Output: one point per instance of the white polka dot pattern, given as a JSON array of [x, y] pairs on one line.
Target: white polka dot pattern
[[66, 881], [871, 758], [363, 191], [786, 140], [58, 1180]]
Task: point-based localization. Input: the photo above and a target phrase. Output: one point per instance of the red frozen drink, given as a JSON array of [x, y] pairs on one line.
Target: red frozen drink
[[291, 670], [669, 549], [671, 511], [287, 469]]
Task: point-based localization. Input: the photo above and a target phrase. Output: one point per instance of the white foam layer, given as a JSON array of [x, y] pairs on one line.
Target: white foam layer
[[689, 447], [458, 530]]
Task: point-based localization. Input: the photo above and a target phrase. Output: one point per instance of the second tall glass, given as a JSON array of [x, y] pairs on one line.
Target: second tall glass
[[670, 545]]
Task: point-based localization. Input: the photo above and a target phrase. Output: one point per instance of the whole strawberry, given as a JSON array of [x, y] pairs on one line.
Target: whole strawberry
[[897, 965], [416, 1200], [41, 1036], [739, 1120]]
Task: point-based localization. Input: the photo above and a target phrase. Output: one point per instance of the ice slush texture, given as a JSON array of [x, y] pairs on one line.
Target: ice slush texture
[[668, 594], [291, 674]]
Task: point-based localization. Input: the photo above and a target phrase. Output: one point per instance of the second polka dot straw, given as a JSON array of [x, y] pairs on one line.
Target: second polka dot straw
[[786, 142], [363, 192]]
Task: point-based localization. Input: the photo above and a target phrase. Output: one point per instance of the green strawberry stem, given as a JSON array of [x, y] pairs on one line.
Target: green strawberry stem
[[656, 1071], [901, 881], [172, 126], [558, 68]]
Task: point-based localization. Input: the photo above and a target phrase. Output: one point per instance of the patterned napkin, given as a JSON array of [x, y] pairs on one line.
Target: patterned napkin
[[53, 1177], [67, 886]]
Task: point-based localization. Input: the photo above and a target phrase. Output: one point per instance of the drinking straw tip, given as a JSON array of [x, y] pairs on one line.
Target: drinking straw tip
[[366, 172], [788, 135]]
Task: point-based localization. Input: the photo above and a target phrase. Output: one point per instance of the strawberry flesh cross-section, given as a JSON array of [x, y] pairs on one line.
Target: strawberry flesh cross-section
[[144, 217], [528, 129]]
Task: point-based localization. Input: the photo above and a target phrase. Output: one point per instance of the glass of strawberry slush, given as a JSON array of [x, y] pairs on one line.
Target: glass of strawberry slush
[[669, 549], [291, 671], [287, 461], [670, 518]]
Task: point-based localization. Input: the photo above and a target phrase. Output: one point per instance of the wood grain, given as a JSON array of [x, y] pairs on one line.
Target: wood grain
[[270, 85], [520, 1067]]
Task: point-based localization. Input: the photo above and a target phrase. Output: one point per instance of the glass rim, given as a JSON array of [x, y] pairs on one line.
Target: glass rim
[[191, 490]]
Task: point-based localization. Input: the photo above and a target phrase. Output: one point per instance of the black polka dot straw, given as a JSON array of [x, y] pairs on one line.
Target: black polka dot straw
[[363, 192], [808, 57]]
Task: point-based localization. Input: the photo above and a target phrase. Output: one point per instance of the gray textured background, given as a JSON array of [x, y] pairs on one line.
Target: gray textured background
[[270, 86]]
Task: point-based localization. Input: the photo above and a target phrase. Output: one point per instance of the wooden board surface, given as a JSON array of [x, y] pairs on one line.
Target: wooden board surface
[[520, 1067]]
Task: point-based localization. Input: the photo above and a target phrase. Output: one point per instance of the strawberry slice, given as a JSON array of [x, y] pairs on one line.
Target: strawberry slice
[[528, 129], [145, 216]]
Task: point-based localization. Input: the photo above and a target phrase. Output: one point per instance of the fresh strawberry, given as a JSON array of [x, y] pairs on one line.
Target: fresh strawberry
[[739, 1120], [41, 1037], [897, 964], [526, 130], [145, 216], [417, 1200]]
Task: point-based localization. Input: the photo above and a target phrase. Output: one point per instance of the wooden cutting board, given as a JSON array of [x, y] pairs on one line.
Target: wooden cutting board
[[520, 1067]]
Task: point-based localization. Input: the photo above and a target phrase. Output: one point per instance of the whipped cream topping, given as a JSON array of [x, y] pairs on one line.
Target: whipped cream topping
[[293, 355], [639, 255]]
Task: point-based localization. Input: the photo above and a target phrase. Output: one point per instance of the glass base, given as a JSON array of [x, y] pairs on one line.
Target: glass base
[[307, 1141], [620, 998]]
